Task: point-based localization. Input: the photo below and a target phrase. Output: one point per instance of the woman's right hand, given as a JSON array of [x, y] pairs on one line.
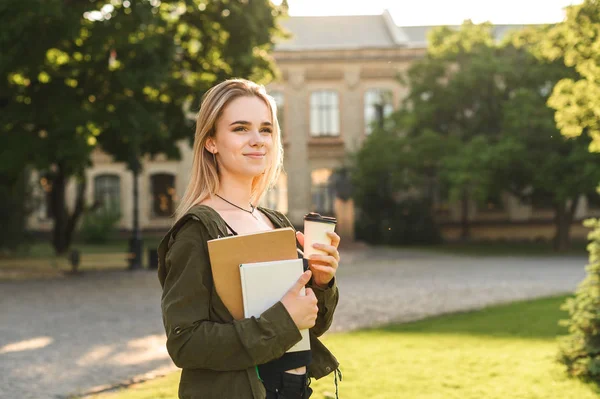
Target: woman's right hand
[[302, 308]]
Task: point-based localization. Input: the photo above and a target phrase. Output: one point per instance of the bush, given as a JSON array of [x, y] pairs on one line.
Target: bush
[[580, 350], [99, 226], [407, 222]]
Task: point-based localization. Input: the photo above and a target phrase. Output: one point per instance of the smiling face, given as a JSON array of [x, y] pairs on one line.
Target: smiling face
[[244, 137]]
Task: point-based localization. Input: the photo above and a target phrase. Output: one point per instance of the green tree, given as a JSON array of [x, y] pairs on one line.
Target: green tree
[[40, 110], [577, 105], [456, 92], [540, 166], [489, 101], [390, 176], [122, 76]]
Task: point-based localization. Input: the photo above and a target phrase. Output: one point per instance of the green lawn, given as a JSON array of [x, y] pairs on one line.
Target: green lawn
[[39, 261], [43, 249], [502, 352]]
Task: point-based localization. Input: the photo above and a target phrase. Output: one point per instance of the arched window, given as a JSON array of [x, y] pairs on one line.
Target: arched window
[[163, 194], [324, 114], [107, 192]]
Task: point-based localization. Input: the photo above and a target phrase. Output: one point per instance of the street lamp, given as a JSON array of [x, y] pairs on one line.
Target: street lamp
[[135, 241]]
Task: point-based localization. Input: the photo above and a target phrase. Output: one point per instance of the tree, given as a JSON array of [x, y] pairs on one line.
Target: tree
[[121, 76], [489, 100], [388, 173], [42, 121], [541, 166], [15, 206], [577, 105], [455, 92]]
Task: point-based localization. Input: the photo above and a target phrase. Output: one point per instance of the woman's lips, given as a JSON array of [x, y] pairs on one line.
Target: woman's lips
[[255, 156]]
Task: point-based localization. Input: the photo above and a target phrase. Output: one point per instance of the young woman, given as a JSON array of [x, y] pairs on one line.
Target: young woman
[[237, 156]]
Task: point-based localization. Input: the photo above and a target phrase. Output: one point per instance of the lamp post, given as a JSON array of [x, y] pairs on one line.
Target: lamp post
[[135, 241]]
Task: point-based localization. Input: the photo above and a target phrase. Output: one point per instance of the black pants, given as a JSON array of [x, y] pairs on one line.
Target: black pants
[[287, 386]]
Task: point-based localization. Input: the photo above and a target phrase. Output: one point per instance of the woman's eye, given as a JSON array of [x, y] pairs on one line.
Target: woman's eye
[[269, 131], [239, 129]]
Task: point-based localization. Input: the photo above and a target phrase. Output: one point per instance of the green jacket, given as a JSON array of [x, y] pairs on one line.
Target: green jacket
[[218, 354]]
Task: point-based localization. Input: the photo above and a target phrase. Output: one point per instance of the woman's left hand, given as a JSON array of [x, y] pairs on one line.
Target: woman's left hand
[[323, 267]]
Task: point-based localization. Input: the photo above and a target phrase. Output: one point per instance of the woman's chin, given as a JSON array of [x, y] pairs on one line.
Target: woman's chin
[[254, 172]]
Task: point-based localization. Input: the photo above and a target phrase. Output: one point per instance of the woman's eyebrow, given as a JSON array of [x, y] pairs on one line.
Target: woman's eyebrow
[[240, 123], [267, 123]]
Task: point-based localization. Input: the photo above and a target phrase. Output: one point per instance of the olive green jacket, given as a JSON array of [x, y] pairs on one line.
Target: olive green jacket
[[218, 354]]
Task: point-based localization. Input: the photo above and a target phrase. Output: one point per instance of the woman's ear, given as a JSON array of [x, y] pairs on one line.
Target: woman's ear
[[210, 146]]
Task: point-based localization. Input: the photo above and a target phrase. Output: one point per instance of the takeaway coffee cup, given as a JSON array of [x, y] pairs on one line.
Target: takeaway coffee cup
[[315, 231]]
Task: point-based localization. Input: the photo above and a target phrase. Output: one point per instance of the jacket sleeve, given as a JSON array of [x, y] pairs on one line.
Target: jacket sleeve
[[327, 297], [327, 302], [193, 341]]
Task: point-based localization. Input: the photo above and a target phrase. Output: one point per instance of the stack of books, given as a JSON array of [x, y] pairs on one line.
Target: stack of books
[[252, 272]]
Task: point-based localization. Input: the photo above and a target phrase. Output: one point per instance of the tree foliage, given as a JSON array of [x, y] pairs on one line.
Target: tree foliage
[[481, 107], [577, 111], [123, 76]]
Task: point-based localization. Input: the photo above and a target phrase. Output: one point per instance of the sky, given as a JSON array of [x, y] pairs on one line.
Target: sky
[[440, 12]]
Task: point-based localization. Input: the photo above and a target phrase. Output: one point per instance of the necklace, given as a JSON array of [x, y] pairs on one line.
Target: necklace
[[239, 207]]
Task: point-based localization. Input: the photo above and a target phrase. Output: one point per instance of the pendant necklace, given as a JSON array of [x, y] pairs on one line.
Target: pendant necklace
[[239, 207]]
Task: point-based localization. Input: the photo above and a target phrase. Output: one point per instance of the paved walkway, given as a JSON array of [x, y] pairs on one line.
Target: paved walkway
[[71, 335]]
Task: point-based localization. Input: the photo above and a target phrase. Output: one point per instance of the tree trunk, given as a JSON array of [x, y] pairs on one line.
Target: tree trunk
[[465, 232], [64, 224], [563, 217]]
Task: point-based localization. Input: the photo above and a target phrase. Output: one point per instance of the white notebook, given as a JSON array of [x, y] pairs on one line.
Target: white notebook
[[265, 283]]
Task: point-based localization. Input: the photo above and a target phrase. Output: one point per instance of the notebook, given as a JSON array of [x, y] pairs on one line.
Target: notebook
[[265, 283], [227, 253]]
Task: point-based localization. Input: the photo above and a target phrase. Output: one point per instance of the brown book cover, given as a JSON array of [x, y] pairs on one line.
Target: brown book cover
[[228, 253]]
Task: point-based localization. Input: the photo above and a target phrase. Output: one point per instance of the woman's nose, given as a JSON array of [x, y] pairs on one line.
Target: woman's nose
[[257, 138]]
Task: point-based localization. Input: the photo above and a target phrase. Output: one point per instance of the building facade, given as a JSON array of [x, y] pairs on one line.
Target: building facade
[[337, 73]]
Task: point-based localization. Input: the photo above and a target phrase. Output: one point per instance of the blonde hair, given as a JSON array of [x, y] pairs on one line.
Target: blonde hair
[[204, 179]]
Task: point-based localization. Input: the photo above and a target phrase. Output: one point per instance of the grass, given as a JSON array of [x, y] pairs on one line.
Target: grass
[[44, 249], [38, 260], [500, 352], [505, 248]]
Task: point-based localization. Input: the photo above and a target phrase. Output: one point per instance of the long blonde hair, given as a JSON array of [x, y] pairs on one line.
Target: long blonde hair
[[204, 177]]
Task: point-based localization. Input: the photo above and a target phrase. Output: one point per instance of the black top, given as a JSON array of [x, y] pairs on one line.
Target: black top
[[288, 361]]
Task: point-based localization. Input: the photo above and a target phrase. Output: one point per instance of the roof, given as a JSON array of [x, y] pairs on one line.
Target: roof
[[339, 33], [354, 32]]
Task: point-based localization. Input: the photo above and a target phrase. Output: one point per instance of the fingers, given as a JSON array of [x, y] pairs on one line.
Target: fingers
[[310, 295], [335, 239], [302, 281], [330, 249], [329, 260]]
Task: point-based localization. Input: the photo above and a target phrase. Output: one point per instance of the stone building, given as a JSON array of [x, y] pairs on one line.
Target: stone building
[[334, 72]]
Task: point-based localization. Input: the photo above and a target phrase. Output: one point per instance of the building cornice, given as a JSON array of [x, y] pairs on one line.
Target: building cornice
[[371, 54]]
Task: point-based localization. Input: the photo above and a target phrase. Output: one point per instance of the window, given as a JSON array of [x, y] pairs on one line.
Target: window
[[45, 204], [279, 100], [322, 192], [324, 114], [107, 192], [493, 203], [163, 194], [378, 104], [276, 198]]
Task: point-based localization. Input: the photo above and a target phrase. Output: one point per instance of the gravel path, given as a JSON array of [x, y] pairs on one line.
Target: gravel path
[[72, 335]]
